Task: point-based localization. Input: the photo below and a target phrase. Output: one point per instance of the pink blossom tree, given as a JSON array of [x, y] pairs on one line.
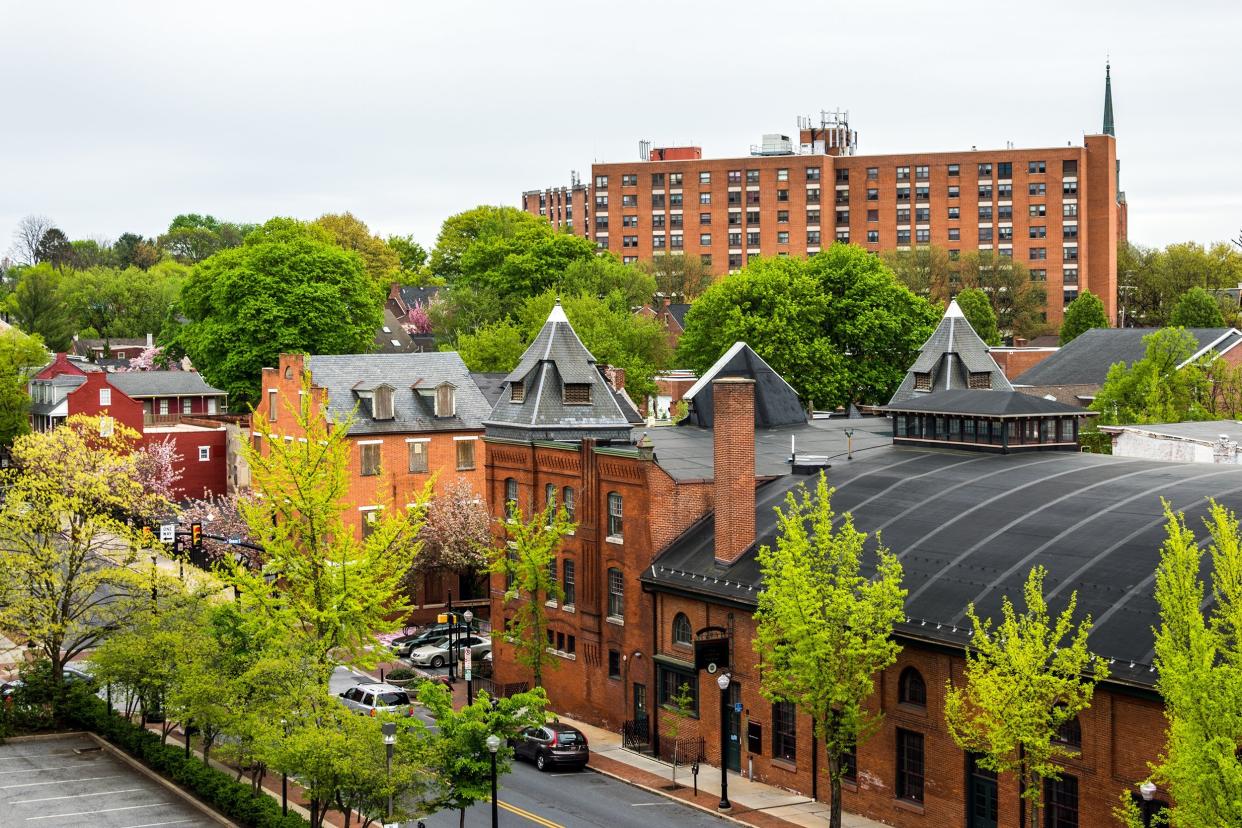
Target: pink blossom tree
[[220, 515], [159, 468], [457, 533], [417, 321]]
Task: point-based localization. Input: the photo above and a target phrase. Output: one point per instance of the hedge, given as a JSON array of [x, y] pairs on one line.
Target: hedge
[[219, 790]]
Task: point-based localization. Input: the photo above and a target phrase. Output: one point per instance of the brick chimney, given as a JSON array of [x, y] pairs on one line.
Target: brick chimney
[[733, 452]]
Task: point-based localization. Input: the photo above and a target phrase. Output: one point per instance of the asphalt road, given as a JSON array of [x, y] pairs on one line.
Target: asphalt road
[[576, 799]]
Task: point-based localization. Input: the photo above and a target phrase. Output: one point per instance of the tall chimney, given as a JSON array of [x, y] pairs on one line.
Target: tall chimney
[[733, 453]]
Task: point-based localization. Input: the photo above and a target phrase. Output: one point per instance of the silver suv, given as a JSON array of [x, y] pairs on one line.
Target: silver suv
[[369, 699]]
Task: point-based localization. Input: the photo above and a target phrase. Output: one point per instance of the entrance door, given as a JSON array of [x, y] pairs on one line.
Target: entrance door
[[641, 728], [981, 796], [733, 747]]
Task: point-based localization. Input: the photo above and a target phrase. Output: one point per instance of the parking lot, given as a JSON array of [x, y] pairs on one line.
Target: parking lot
[[71, 781]]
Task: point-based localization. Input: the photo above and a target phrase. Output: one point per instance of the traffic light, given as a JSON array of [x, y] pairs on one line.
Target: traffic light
[[147, 537], [196, 537]]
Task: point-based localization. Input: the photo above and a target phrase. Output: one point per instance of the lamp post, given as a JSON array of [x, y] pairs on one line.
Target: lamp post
[[155, 593], [468, 666], [493, 745], [389, 730], [452, 622], [722, 681], [1147, 790], [284, 779], [849, 444]]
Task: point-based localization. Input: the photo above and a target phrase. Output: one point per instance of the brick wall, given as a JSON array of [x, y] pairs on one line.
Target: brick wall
[[1014, 361], [733, 452]]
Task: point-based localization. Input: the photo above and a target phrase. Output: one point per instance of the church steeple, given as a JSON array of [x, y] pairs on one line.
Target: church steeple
[[1108, 101]]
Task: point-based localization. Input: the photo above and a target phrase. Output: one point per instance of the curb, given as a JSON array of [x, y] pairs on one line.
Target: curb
[[667, 795]]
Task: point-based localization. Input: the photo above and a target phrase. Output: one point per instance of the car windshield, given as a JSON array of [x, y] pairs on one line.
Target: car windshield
[[392, 699]]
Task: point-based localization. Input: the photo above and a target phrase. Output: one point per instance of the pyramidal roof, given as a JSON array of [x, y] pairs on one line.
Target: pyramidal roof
[[776, 401], [951, 358], [557, 392]]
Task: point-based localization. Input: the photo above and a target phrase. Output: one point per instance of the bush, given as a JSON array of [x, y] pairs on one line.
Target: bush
[[400, 674], [233, 799]]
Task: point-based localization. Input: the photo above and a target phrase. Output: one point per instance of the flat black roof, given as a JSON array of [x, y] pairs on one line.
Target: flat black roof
[[982, 403], [968, 527]]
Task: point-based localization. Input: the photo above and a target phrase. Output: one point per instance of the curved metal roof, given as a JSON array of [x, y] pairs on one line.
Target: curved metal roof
[[969, 527]]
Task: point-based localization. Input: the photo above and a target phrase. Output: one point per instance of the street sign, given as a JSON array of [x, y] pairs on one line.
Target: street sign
[[467, 674], [737, 707], [168, 532], [466, 654]]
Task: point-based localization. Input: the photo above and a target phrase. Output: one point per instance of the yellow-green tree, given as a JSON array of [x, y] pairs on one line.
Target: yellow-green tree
[[824, 625], [66, 549], [330, 589], [1023, 681], [528, 562]]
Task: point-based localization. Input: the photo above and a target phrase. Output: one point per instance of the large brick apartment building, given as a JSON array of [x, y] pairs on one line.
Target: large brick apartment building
[[668, 523], [1056, 209]]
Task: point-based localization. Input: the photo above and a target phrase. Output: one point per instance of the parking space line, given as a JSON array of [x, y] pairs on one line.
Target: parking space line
[[29, 770], [61, 781], [154, 824], [75, 796], [101, 811]]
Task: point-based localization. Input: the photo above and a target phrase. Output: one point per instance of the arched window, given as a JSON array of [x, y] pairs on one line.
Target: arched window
[[446, 402], [911, 689], [681, 629], [511, 497], [1069, 733]]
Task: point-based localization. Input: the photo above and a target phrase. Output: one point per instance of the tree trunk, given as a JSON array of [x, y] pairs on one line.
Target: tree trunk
[[834, 781], [461, 821]]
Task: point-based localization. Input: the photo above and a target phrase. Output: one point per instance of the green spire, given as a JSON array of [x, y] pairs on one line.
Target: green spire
[[1108, 101]]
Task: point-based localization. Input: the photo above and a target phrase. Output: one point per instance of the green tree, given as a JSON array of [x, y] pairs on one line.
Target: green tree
[[1150, 280], [1196, 308], [1018, 301], [484, 224], [823, 627], [494, 347], [21, 356], [1083, 314], [926, 270], [528, 562], [977, 309], [35, 306], [680, 707], [1155, 389], [458, 754], [122, 303], [65, 543], [680, 277], [1197, 661], [287, 288], [837, 325], [380, 260], [336, 590], [1023, 681], [55, 249], [411, 255], [603, 275]]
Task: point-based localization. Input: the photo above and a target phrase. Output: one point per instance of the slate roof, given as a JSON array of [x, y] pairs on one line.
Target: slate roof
[[345, 375], [678, 312], [1087, 358], [490, 383], [411, 295], [557, 358], [391, 338], [776, 402], [980, 403], [951, 354], [163, 384], [968, 527]]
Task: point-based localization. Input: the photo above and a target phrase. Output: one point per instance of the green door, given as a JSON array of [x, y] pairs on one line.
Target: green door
[[981, 796], [733, 745]]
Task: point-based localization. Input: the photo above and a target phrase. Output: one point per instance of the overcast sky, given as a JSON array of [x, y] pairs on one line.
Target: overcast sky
[[117, 116]]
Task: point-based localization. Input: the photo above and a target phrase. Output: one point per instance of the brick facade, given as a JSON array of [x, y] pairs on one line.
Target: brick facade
[[734, 464]]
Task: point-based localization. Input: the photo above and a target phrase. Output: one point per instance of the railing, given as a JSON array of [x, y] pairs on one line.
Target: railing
[[636, 733], [149, 419], [685, 751], [499, 691]]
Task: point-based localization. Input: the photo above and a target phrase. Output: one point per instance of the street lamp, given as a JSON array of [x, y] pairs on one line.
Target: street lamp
[[389, 729], [1147, 790], [722, 681], [493, 745], [452, 630], [284, 779], [469, 666], [849, 442]]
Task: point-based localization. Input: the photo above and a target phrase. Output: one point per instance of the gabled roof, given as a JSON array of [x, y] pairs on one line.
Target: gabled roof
[[490, 383], [557, 358], [950, 355], [139, 384], [412, 296], [1085, 360], [344, 376], [982, 403], [678, 312], [391, 338], [776, 401]]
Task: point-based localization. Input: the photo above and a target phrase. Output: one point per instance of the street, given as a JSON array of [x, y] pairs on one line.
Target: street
[[562, 799]]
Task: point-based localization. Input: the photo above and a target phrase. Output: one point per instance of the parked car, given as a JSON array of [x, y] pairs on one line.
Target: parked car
[[372, 698], [407, 644], [437, 655], [552, 745]]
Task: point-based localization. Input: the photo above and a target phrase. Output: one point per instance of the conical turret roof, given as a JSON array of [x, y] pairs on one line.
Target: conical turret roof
[[953, 357]]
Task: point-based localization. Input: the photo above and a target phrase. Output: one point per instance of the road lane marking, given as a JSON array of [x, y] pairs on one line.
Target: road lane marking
[[61, 781], [103, 811], [75, 796], [535, 818], [154, 824], [649, 804], [28, 770]]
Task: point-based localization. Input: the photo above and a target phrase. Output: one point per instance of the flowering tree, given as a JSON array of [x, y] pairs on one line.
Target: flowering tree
[[417, 321], [456, 532], [220, 515], [158, 468], [152, 359]]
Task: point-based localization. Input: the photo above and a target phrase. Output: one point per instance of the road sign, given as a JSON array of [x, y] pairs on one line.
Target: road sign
[[168, 532], [737, 707], [466, 654], [467, 674]]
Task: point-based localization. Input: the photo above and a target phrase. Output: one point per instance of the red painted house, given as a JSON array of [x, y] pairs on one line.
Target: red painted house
[[67, 387]]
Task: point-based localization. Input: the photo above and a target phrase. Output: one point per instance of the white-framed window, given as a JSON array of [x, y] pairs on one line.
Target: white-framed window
[[187, 405], [382, 403], [616, 593], [446, 400], [105, 396], [204, 454], [616, 526], [164, 406]]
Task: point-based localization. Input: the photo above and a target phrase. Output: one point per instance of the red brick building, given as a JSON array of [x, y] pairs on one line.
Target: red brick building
[[416, 418], [1056, 209], [668, 526]]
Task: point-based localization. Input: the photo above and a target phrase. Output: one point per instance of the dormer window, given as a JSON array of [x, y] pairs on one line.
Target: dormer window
[[577, 393], [381, 403], [922, 381], [981, 380], [517, 392], [446, 400]]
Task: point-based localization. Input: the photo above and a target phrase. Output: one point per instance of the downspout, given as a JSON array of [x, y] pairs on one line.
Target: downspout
[[814, 763], [653, 702]]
